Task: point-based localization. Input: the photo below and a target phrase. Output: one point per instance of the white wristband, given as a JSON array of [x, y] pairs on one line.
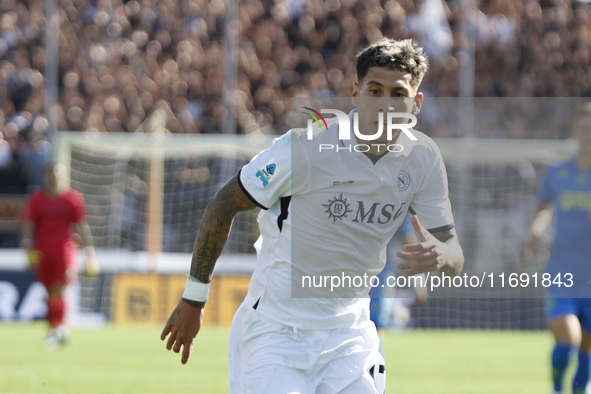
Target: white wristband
[[196, 290]]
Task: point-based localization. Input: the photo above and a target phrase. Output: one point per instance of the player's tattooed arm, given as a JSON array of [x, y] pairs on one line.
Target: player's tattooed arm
[[215, 227], [186, 320]]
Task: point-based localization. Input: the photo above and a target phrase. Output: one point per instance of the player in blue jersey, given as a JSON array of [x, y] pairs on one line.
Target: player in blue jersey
[[567, 187]]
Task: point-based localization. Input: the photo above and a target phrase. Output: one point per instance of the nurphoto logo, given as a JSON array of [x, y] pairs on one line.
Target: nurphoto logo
[[344, 124]]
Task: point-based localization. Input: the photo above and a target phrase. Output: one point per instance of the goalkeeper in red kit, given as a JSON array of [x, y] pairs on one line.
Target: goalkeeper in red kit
[[50, 220]]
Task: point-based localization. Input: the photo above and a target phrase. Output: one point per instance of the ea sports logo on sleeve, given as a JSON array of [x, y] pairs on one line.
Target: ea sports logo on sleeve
[[403, 181]]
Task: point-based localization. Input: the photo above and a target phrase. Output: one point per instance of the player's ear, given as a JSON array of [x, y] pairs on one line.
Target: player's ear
[[355, 93], [418, 103]]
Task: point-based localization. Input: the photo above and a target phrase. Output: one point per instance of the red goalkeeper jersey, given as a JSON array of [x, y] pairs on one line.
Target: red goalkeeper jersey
[[53, 217]]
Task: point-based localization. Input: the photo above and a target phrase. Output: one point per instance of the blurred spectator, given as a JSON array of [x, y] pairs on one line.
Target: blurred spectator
[[13, 176], [35, 154], [5, 152]]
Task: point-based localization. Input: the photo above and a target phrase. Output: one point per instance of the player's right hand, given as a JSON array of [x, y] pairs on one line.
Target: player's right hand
[[183, 325]]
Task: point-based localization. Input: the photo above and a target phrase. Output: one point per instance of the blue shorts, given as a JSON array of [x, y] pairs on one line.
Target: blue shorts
[[580, 307]]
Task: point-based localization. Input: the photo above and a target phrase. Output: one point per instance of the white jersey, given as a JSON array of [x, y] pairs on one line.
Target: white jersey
[[333, 213]]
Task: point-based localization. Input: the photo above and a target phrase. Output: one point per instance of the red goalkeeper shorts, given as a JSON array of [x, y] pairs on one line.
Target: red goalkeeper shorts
[[57, 266]]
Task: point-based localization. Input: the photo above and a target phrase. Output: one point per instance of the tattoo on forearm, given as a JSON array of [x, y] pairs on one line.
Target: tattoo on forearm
[[215, 228], [206, 253]]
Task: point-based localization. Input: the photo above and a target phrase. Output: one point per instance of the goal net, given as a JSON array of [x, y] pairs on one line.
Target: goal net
[[146, 194], [122, 176]]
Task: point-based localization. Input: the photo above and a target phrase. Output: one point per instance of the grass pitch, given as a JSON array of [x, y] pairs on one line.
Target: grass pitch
[[132, 359]]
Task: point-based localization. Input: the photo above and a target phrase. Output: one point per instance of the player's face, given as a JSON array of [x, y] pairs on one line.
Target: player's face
[[384, 90], [582, 132]]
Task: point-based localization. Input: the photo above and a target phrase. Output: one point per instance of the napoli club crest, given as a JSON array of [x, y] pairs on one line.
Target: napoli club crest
[[403, 181]]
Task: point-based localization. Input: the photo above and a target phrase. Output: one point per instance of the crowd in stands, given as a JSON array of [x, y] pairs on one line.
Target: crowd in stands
[[120, 60]]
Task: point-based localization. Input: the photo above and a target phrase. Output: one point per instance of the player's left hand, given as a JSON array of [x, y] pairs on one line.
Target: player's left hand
[[428, 255]]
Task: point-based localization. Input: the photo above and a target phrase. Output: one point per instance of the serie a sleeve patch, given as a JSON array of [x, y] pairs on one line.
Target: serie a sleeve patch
[[268, 172]]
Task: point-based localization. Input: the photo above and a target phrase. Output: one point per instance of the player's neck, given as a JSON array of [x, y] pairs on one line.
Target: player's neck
[[584, 160]]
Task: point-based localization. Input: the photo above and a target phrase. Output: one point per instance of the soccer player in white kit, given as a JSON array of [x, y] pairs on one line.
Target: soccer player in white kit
[[325, 212]]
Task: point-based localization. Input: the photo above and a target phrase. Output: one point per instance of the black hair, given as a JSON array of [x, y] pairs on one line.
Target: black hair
[[403, 55]]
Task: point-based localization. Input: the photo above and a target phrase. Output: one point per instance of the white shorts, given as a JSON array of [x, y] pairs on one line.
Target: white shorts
[[267, 357]]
